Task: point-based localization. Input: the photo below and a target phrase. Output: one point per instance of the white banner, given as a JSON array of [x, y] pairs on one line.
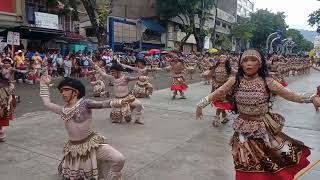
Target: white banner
[[10, 37], [45, 20], [13, 38], [16, 38]]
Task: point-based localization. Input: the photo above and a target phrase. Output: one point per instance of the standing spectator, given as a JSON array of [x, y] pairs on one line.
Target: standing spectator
[[131, 58], [67, 66], [20, 64]]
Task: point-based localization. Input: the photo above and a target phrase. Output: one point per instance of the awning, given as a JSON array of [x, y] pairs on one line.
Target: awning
[[153, 26], [34, 33], [60, 41]]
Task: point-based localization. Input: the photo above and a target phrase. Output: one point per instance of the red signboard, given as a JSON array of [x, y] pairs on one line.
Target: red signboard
[[7, 6]]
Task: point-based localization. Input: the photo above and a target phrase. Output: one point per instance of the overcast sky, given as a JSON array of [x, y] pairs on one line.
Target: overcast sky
[[297, 11]]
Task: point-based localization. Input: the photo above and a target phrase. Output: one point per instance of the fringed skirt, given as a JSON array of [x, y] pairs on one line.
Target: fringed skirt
[[7, 104], [178, 84], [80, 159], [262, 152], [141, 88]]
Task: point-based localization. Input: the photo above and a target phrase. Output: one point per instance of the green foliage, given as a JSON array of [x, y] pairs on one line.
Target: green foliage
[[297, 37], [187, 11], [224, 42], [103, 14], [243, 31], [314, 19], [265, 23]]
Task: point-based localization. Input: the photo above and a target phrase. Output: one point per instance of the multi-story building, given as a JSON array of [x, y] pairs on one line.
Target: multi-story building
[[245, 8], [41, 25], [10, 13], [131, 22], [225, 18]]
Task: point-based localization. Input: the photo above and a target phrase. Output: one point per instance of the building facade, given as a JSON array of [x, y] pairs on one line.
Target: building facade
[[225, 18], [245, 8], [11, 13]]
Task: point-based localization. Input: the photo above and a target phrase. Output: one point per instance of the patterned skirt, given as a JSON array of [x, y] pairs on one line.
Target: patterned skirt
[[262, 151], [119, 113], [179, 84], [80, 159], [7, 105], [141, 88]]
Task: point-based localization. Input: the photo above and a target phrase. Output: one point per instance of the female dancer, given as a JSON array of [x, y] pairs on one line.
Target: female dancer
[[259, 147], [220, 74], [85, 147], [178, 80], [143, 88], [7, 97]]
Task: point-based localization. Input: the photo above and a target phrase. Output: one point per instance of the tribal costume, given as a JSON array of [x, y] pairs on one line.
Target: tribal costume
[[259, 147], [191, 65], [85, 149], [121, 90], [143, 88], [178, 79], [7, 99]]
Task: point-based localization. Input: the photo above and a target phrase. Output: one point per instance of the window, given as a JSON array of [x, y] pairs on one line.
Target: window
[[224, 25], [218, 23]]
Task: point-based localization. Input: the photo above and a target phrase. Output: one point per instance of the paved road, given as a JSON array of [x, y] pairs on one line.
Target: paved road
[[31, 102], [172, 145]]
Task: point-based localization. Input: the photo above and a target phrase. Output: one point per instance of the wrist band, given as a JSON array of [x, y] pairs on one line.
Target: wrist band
[[203, 102], [308, 98]]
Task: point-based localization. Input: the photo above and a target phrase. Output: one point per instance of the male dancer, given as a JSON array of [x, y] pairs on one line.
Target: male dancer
[[85, 147]]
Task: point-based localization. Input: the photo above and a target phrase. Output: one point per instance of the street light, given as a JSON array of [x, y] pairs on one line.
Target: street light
[[268, 39], [286, 41], [271, 45]]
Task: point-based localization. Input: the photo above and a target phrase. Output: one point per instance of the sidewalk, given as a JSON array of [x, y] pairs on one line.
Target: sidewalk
[[172, 145]]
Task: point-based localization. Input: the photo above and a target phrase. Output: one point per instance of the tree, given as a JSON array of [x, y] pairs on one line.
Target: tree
[[314, 19], [97, 15], [224, 42], [297, 37], [192, 13], [243, 32], [265, 23]]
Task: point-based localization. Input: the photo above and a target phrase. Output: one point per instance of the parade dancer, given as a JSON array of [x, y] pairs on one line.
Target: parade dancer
[[220, 74], [98, 86], [84, 148], [121, 91], [259, 147], [7, 96], [191, 65], [143, 88], [205, 68], [178, 80]]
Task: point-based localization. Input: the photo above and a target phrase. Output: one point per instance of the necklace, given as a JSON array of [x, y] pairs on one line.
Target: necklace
[[68, 113]]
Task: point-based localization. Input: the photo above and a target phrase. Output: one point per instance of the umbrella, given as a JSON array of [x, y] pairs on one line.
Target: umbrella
[[144, 52], [154, 51], [164, 52], [213, 50]]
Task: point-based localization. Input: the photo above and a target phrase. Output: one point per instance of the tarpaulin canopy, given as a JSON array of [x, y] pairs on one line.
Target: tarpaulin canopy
[[153, 26]]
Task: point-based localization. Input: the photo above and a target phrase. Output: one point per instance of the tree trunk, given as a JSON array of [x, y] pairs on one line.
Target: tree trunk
[[183, 41], [90, 6], [213, 35]]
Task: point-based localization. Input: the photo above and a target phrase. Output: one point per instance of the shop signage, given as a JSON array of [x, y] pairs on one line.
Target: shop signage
[[13, 38], [45, 20]]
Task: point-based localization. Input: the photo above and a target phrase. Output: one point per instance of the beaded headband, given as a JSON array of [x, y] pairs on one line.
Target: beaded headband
[[252, 53]]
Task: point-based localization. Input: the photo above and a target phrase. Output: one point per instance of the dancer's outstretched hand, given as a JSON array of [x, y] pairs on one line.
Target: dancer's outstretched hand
[[316, 102], [199, 114], [45, 79]]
